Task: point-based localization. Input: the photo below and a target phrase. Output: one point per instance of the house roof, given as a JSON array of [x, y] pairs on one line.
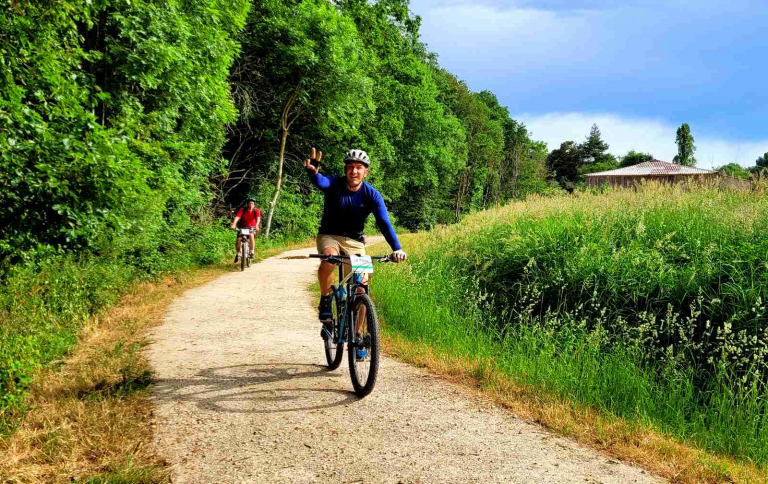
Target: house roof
[[654, 167]]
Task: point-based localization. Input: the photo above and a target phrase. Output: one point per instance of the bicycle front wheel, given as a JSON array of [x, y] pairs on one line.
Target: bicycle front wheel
[[334, 351], [364, 345], [243, 254]]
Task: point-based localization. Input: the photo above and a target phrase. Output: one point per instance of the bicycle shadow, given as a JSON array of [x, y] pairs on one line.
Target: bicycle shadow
[[234, 389]]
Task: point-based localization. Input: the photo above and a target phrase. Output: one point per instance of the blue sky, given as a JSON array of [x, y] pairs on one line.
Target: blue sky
[[637, 68]]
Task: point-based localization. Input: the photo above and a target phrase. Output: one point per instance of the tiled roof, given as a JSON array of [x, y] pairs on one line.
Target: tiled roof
[[654, 167]]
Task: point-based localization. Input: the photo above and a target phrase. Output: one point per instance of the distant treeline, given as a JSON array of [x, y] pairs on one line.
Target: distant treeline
[[354, 74], [124, 124], [112, 121]]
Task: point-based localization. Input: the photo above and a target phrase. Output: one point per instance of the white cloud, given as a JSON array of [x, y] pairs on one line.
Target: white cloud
[[503, 40], [654, 136]]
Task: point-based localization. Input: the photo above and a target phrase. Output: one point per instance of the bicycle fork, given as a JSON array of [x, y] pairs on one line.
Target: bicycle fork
[[339, 294]]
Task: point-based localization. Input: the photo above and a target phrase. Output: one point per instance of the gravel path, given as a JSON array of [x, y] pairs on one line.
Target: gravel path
[[242, 396]]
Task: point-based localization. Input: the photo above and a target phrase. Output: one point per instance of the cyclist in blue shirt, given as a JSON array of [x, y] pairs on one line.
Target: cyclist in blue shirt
[[348, 202]]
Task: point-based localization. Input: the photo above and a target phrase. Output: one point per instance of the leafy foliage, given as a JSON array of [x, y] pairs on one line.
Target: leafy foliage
[[564, 163], [112, 117], [634, 158], [648, 304], [594, 148], [735, 170], [685, 146], [571, 161], [439, 151], [762, 161], [761, 166]]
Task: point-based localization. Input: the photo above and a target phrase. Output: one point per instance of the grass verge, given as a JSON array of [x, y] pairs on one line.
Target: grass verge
[[88, 418], [427, 322], [628, 441]]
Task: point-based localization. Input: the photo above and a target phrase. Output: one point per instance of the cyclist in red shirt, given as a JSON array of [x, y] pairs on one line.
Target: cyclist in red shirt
[[247, 217]]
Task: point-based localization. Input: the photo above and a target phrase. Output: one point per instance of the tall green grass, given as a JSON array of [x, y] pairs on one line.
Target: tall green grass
[[647, 305], [46, 300]]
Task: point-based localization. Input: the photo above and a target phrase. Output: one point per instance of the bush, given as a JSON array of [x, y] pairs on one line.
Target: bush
[[112, 119], [45, 302], [648, 305]]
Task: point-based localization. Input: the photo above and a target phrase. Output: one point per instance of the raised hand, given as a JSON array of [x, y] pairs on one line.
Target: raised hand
[[313, 162]]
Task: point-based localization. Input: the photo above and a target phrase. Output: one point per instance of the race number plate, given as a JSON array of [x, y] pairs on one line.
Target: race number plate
[[245, 231], [362, 264]]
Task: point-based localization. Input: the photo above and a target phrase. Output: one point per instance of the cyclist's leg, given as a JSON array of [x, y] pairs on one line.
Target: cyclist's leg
[[328, 245], [253, 243], [237, 247]]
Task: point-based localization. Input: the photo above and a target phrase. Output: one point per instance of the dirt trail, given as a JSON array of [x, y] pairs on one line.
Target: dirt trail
[[242, 396]]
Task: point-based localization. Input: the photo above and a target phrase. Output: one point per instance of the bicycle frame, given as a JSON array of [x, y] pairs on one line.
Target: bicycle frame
[[346, 291], [244, 238]]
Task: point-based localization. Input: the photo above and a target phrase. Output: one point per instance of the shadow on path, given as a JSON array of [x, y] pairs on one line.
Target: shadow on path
[[239, 389]]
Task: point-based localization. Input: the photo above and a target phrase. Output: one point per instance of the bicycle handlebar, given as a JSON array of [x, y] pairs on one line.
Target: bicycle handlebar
[[380, 258]]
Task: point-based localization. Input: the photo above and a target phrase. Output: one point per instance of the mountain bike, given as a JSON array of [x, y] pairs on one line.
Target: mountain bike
[[355, 322], [245, 246]]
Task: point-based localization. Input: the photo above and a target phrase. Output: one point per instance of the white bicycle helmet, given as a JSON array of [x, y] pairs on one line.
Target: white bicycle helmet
[[358, 155]]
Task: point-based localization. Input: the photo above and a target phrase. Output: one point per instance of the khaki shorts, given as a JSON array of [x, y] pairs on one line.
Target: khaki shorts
[[343, 245]]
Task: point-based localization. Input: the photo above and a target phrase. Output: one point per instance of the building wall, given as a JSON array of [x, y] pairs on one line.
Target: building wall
[[630, 181]]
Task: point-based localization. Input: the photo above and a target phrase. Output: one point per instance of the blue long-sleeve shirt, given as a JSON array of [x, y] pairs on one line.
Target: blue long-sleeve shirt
[[345, 212]]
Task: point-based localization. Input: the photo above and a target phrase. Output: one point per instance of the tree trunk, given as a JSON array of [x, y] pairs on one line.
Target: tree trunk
[[462, 192], [516, 160], [279, 182], [285, 123]]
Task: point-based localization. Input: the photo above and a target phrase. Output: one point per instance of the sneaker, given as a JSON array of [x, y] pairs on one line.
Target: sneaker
[[361, 353], [237, 258], [325, 313], [250, 256]]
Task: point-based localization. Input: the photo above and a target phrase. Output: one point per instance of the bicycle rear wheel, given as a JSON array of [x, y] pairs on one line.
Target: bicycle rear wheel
[[243, 254], [364, 347], [334, 351]]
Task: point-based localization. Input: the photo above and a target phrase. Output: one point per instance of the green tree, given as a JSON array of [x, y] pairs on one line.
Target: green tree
[[484, 138], [311, 64], [529, 170], [762, 161], [685, 146], [761, 166], [608, 163], [112, 118], [634, 158], [563, 164], [438, 149], [417, 145], [735, 170], [594, 148]]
